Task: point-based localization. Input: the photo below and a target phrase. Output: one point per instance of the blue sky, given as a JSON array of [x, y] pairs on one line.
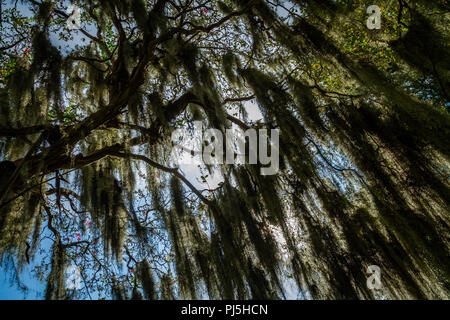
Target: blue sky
[[10, 291]]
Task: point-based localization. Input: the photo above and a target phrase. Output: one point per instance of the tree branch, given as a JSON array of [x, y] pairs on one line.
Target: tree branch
[[173, 171]]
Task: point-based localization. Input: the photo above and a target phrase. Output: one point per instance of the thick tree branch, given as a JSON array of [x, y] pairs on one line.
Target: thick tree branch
[[19, 132]]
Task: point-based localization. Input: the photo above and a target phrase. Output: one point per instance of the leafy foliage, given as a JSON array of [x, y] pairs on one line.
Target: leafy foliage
[[88, 172]]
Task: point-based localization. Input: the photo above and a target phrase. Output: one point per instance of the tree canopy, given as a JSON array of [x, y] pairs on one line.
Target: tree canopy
[[89, 174]]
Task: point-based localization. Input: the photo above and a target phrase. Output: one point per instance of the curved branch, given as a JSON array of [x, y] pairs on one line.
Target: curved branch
[[173, 171]]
